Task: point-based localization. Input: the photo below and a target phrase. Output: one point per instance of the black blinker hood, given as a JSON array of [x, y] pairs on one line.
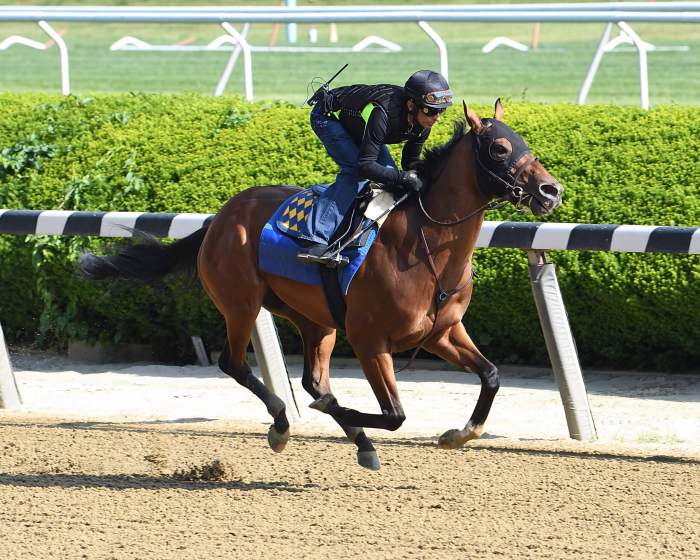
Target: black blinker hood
[[493, 130]]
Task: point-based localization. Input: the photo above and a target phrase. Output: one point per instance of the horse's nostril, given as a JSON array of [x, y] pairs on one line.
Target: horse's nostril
[[550, 190]]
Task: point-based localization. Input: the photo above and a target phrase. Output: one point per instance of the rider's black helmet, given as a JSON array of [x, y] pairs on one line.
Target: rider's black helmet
[[429, 89]]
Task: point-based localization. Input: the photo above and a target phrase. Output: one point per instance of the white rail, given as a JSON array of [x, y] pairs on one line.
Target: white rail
[[620, 13], [567, 6], [319, 15]]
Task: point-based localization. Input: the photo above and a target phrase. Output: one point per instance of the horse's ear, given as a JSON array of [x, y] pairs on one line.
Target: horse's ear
[[498, 111], [472, 118]]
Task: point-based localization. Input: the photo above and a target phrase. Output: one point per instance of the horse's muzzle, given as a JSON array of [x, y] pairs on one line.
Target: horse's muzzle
[[547, 198]]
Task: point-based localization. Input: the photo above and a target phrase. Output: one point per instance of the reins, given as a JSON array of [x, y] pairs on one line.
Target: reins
[[491, 205]]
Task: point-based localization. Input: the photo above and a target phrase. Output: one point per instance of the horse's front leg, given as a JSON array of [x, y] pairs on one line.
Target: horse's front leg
[[456, 347]]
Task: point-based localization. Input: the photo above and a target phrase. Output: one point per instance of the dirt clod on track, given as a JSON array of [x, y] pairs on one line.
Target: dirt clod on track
[[214, 470], [212, 489]]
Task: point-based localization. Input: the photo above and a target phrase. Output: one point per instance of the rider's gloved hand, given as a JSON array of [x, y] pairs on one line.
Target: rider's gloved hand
[[410, 181]]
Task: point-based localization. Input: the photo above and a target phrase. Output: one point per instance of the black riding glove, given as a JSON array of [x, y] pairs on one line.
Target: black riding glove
[[410, 181]]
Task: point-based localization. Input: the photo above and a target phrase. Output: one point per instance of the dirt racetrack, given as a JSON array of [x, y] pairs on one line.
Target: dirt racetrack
[[214, 490], [146, 461]]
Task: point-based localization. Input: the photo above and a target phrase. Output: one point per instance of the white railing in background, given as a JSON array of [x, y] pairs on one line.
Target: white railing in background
[[620, 13], [687, 13], [566, 6]]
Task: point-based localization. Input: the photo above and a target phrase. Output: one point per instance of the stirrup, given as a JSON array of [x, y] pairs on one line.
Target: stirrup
[[331, 261]]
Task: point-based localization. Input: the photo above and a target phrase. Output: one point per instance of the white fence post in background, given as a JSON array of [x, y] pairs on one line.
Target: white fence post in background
[[268, 353], [561, 346], [291, 27], [247, 59], [595, 63], [442, 48], [643, 72], [63, 50], [9, 394], [226, 74], [603, 46]]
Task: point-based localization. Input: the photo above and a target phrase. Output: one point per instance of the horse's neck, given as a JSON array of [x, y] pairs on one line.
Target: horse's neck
[[453, 196]]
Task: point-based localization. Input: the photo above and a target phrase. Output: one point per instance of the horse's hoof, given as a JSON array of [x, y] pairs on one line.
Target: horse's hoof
[[323, 402], [369, 460], [451, 439], [277, 441]]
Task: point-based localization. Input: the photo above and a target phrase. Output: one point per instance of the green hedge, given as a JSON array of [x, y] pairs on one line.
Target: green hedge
[[191, 153]]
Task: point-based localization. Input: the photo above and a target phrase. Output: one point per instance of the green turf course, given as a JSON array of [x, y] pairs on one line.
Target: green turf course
[[553, 73]]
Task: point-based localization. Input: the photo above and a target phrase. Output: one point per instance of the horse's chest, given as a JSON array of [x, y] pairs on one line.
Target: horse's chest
[[407, 317]]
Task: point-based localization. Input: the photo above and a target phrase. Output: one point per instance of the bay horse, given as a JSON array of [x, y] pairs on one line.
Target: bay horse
[[412, 290]]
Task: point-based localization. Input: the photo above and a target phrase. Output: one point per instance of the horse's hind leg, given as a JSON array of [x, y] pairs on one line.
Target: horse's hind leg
[[318, 347], [228, 272], [232, 362], [456, 347], [379, 371]]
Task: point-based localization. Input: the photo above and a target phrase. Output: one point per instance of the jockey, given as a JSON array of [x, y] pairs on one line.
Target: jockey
[[355, 123]]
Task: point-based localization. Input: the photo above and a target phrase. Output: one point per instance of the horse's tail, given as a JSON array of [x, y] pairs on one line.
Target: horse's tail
[[147, 261]]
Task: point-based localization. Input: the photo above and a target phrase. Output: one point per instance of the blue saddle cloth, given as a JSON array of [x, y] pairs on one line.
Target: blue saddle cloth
[[279, 246]]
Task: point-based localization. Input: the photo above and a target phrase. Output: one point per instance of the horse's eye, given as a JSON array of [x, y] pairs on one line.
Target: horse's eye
[[500, 150]]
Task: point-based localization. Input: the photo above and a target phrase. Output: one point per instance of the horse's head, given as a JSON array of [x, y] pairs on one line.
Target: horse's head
[[507, 169]]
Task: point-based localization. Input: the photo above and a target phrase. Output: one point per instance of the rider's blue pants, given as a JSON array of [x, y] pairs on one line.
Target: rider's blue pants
[[330, 208]]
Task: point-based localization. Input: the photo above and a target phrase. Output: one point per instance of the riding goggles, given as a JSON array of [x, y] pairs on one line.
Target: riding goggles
[[443, 97], [431, 111]]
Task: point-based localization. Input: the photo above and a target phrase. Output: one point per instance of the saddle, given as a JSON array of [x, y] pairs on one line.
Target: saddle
[[297, 209], [280, 242]]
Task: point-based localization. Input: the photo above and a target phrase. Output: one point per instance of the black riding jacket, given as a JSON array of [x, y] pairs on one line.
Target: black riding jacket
[[387, 124]]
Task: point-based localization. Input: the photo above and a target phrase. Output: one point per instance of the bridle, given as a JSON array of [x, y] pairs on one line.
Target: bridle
[[512, 192]]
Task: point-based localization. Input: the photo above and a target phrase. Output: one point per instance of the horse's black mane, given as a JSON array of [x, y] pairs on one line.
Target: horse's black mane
[[432, 161]]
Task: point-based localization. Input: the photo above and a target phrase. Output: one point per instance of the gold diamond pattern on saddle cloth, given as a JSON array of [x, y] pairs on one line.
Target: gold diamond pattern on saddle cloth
[[296, 211]]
